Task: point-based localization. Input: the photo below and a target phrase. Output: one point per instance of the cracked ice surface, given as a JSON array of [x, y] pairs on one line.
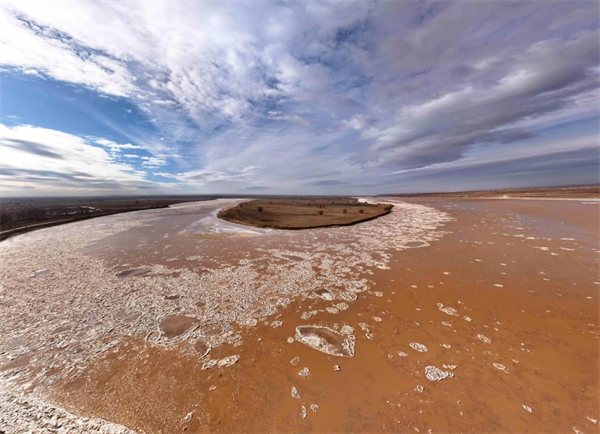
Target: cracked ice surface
[[66, 317], [435, 374], [20, 414]]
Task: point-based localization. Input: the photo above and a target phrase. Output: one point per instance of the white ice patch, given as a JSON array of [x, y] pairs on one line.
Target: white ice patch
[[447, 310], [500, 367], [482, 338], [418, 347], [435, 374], [326, 340], [228, 361]]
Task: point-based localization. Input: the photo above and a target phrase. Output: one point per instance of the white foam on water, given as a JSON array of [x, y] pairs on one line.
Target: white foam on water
[[213, 225]]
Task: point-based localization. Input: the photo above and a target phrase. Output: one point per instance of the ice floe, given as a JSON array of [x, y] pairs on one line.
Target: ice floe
[[228, 361], [500, 367], [435, 374], [326, 340], [482, 338], [418, 347], [447, 310], [295, 393]]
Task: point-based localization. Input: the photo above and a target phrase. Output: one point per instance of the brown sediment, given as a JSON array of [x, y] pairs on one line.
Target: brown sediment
[[220, 236], [61, 329], [324, 294], [133, 272], [212, 330], [303, 214], [19, 362], [177, 325], [293, 258], [129, 318], [202, 348], [542, 326]]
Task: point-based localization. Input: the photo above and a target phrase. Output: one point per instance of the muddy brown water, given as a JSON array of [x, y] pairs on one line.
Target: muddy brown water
[[495, 267], [293, 258]]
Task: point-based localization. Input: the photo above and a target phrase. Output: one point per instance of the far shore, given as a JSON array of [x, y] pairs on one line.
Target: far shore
[[24, 215], [548, 193]]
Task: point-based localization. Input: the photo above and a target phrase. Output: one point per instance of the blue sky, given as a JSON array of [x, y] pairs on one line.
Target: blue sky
[[297, 97]]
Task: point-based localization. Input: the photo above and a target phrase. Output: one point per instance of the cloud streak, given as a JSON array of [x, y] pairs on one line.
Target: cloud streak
[[316, 97], [42, 160]]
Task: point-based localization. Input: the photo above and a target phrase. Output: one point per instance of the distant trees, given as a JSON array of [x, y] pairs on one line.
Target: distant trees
[[362, 211], [320, 212], [260, 209]]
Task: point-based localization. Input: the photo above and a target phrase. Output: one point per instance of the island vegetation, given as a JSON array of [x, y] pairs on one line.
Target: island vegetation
[[303, 213]]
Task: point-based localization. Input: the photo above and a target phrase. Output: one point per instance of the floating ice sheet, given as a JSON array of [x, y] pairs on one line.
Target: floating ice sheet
[[326, 340]]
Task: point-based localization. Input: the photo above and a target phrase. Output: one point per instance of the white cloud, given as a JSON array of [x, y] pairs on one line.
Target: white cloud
[[50, 161], [153, 162], [38, 50], [116, 146], [165, 175], [200, 177], [169, 155], [306, 90]]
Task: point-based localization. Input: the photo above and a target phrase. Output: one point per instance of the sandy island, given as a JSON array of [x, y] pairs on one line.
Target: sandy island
[[303, 213]]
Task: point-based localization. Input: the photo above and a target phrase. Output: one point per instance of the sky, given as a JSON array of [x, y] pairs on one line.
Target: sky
[[281, 97]]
